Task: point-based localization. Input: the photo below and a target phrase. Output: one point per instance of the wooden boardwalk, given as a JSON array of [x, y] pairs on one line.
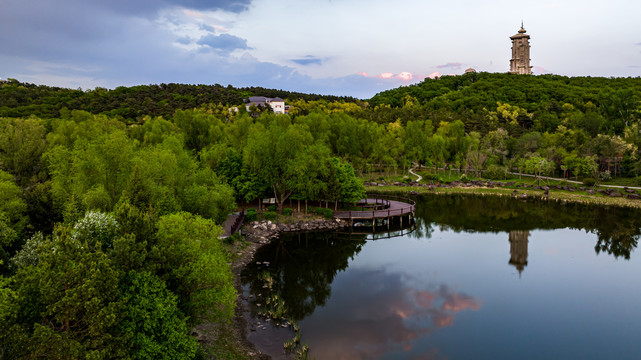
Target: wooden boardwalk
[[382, 208], [232, 224]]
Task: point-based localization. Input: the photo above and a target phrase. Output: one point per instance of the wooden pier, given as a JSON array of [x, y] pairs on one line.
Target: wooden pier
[[383, 209]]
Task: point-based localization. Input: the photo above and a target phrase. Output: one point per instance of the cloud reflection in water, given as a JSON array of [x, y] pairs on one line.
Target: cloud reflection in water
[[373, 313]]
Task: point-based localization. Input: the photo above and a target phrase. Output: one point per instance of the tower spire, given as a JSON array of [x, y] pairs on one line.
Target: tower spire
[[520, 62]]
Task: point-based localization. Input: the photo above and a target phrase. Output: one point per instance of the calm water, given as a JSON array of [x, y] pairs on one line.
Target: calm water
[[480, 278]]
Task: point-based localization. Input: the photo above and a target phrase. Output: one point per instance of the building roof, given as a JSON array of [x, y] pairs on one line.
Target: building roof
[[261, 99], [520, 34]]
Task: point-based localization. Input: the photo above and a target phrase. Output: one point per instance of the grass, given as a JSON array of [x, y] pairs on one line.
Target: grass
[[621, 181], [555, 195]]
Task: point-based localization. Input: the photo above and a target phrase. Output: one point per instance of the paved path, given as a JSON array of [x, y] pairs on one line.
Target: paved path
[[415, 174], [549, 178], [578, 182]]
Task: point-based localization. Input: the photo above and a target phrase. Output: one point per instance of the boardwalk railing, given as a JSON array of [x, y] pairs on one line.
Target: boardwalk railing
[[392, 207], [238, 222]]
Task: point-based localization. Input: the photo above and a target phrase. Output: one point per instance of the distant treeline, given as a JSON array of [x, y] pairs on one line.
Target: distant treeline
[[19, 99]]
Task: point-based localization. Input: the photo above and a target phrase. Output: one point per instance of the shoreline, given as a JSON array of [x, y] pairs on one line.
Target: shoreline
[[577, 196], [259, 234]]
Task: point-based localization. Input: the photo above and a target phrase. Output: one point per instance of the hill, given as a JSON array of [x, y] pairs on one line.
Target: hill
[[545, 98], [130, 103]]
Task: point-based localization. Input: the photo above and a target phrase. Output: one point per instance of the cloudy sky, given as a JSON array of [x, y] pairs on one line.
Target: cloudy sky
[[341, 47]]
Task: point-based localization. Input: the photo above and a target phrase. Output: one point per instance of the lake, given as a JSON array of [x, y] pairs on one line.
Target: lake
[[478, 278]]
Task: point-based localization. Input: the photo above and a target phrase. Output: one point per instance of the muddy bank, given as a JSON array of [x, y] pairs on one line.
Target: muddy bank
[[258, 234]]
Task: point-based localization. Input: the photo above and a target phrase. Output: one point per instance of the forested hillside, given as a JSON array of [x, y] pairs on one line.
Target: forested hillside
[[111, 200], [129, 103]]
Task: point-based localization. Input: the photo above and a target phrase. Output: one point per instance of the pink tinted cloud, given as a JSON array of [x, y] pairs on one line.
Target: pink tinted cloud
[[200, 16], [392, 321], [541, 70], [434, 75]]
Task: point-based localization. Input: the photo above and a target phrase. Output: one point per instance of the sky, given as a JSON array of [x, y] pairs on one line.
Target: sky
[[339, 47]]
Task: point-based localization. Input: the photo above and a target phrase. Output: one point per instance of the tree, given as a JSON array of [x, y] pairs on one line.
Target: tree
[[191, 260], [271, 153], [310, 168], [12, 217], [153, 326], [476, 160], [64, 306], [538, 166], [351, 187], [22, 143]]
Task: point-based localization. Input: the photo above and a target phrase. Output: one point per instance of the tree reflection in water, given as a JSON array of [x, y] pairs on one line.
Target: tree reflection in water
[[302, 267]]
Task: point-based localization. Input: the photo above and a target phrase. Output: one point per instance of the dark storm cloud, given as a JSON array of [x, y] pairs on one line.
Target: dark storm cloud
[[224, 42], [74, 43], [308, 60]]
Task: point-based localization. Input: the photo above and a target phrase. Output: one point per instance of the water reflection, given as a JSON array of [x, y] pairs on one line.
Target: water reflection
[[380, 313], [384, 308], [518, 249], [618, 229]]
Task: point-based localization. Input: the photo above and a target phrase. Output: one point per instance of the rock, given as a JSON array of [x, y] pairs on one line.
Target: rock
[[634, 196]]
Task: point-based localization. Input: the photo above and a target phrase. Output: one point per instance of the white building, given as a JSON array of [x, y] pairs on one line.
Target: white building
[[277, 104]]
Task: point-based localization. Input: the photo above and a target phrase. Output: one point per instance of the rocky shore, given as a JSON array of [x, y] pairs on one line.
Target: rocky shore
[[258, 234]]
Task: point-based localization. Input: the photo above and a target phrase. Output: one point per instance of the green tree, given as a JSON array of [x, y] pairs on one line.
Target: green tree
[[192, 261], [153, 326], [22, 143], [65, 306], [351, 187], [271, 153], [12, 217]]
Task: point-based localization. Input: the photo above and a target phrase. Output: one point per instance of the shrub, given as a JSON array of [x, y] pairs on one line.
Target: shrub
[[270, 215], [288, 212], [494, 172], [250, 215], [271, 208], [431, 177], [589, 182], [605, 175], [464, 178], [233, 238], [327, 213]]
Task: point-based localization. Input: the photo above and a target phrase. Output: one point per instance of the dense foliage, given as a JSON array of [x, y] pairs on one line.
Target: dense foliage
[[111, 200], [129, 103]]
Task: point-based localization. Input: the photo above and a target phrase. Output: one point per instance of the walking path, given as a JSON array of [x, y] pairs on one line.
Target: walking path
[[577, 182], [415, 174]]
